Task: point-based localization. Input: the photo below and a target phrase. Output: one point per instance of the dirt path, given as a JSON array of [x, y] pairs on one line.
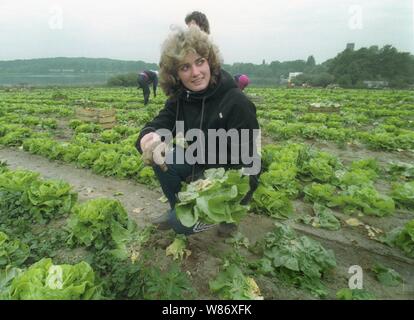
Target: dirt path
[[350, 244]]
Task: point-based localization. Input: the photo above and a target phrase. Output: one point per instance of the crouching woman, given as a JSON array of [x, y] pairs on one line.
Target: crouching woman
[[202, 99]]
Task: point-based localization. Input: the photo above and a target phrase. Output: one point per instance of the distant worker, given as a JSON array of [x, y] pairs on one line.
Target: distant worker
[[144, 81], [199, 19], [242, 81]]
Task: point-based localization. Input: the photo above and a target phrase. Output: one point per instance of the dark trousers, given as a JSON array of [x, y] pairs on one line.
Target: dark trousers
[[171, 182], [142, 83]]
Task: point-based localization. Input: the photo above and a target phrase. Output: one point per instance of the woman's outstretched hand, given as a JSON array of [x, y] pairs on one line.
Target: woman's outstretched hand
[[154, 150]]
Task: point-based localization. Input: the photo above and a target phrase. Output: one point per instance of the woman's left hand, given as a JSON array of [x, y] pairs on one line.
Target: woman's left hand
[[155, 154]]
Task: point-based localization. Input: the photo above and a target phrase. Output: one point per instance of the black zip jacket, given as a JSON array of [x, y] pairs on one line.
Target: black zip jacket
[[223, 106]]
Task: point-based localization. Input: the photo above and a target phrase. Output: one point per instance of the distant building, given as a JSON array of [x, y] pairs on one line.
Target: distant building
[[350, 46], [375, 84], [293, 75], [61, 70]]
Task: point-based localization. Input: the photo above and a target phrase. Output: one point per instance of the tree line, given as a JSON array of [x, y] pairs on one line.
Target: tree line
[[349, 69], [72, 65]]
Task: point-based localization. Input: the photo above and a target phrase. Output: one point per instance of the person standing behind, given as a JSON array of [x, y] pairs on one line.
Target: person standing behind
[[199, 19], [242, 81], [145, 79]]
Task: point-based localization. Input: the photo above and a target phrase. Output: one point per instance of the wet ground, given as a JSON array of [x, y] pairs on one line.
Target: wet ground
[[352, 245]]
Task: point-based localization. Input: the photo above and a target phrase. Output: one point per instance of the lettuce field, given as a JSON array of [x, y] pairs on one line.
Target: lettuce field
[[333, 217]]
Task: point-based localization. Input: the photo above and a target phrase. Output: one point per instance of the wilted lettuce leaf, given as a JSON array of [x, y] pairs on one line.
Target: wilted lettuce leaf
[[402, 237], [387, 276], [178, 248], [296, 259], [323, 218], [400, 169]]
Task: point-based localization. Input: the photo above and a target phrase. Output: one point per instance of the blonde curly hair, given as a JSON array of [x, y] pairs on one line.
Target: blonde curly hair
[[178, 44]]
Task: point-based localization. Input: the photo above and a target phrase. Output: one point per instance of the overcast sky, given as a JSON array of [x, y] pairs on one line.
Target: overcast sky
[[245, 30]]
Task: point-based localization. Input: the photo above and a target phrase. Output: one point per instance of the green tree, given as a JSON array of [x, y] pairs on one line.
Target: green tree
[[351, 68], [310, 62]]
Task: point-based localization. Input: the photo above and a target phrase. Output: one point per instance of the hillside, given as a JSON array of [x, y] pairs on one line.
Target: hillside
[[66, 71], [72, 65]]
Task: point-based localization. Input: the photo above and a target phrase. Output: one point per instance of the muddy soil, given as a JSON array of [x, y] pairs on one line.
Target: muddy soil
[[141, 203], [351, 245]]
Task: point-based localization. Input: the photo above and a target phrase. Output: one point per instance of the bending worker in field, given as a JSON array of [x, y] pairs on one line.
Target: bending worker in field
[[144, 81], [201, 98], [242, 81]]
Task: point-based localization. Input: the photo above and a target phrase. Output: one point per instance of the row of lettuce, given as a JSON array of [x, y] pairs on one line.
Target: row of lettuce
[[112, 262], [382, 137], [287, 169], [15, 107], [112, 153], [292, 171], [106, 152], [119, 265], [33, 115], [380, 120], [103, 227]]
